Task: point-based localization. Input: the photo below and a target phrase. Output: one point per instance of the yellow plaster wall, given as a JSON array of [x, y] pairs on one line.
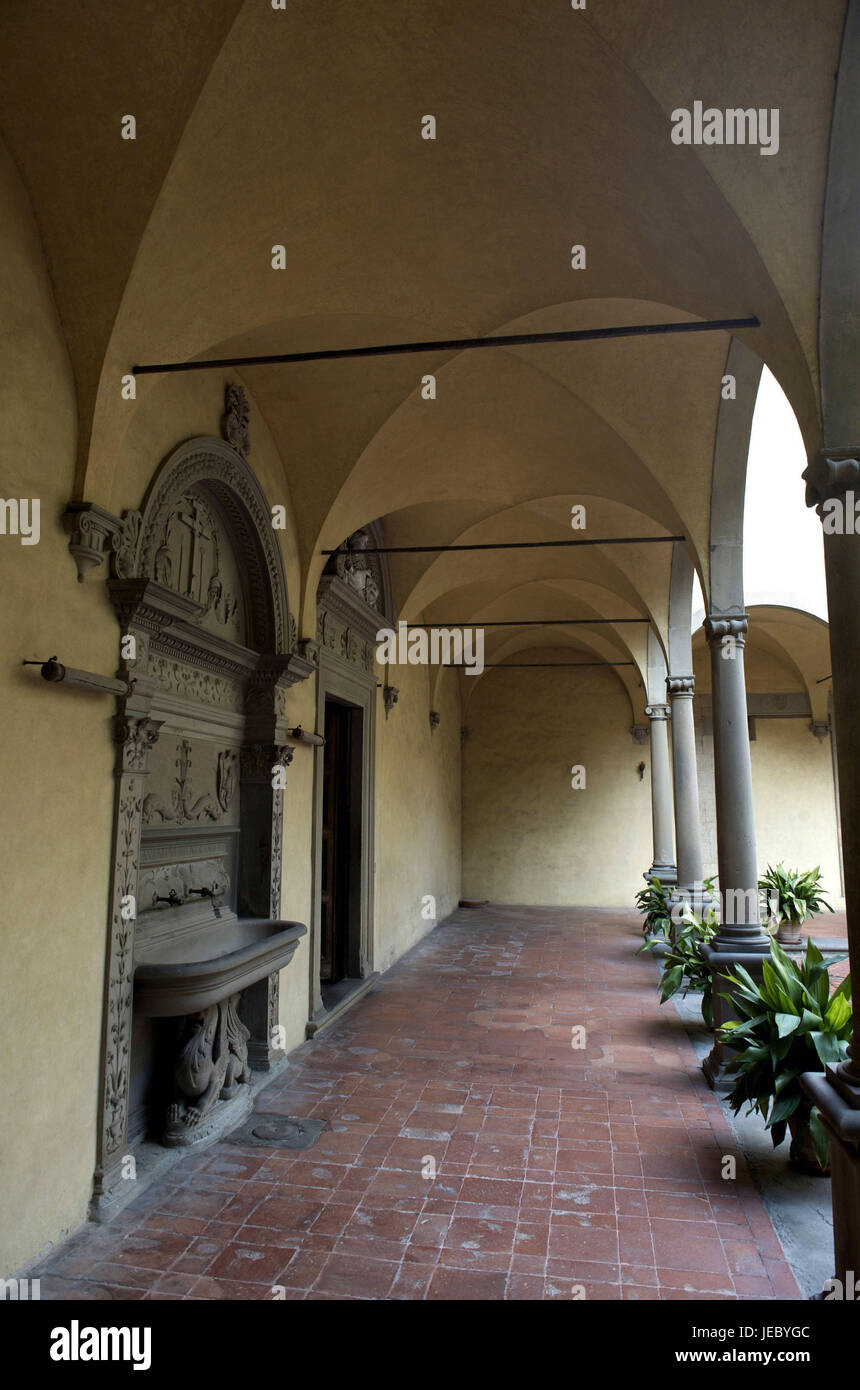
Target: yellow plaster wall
[[793, 797], [55, 769], [795, 806], [528, 837], [417, 829]]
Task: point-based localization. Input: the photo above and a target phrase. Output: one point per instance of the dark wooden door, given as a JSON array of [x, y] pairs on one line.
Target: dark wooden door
[[335, 844]]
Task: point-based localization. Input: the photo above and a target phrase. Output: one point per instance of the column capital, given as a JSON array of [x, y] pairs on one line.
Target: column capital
[[657, 711], [680, 686], [830, 474], [720, 625]]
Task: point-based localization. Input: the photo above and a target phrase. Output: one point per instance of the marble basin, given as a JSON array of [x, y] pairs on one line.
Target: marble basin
[[198, 969]]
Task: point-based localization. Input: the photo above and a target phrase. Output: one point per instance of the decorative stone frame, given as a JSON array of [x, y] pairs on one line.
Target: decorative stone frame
[[185, 668], [345, 654]]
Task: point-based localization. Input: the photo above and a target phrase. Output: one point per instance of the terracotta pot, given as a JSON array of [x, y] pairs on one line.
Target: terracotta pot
[[806, 1160], [789, 933]]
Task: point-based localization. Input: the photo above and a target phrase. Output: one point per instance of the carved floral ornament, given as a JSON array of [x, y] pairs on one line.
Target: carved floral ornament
[[185, 808]]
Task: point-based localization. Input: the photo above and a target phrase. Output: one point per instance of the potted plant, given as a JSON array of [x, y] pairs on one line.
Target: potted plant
[[683, 966], [795, 897], [788, 1023], [653, 902]]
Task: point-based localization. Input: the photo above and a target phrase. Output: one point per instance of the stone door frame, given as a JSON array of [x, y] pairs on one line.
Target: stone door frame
[[346, 641]]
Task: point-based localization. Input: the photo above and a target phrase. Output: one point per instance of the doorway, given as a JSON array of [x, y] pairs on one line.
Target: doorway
[[340, 886]]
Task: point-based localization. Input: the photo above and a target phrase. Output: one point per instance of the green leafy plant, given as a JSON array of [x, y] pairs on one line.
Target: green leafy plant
[[797, 896], [788, 1024], [653, 902], [683, 965]]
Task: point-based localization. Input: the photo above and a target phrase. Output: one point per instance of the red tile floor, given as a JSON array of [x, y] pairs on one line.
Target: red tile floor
[[560, 1170]]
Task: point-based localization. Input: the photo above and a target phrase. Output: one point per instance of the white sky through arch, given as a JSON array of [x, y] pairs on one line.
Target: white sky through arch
[[783, 546]]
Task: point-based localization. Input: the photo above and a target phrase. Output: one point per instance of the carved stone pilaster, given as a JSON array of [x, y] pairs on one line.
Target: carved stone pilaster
[[135, 734], [262, 809]]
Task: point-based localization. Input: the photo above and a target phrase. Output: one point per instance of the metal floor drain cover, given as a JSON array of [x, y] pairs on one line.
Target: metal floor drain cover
[[278, 1132]]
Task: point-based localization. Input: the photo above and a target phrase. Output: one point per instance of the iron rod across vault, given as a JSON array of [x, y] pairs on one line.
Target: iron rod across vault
[[575, 335], [505, 545]]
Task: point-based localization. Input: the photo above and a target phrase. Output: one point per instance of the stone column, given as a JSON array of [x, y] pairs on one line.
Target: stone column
[[688, 841], [833, 486], [663, 864], [740, 928], [740, 940]]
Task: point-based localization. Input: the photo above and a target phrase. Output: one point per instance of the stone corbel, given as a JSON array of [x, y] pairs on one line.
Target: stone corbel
[[831, 474], [308, 650], [390, 696], [91, 530], [435, 720], [820, 728]]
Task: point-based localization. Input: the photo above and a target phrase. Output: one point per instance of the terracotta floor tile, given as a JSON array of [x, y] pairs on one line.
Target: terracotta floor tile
[[459, 1285], [556, 1170]]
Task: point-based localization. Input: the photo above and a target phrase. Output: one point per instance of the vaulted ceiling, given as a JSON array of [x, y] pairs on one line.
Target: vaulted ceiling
[[301, 127]]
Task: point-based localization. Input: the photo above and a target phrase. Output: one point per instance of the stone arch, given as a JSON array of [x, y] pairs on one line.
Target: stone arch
[[728, 482]]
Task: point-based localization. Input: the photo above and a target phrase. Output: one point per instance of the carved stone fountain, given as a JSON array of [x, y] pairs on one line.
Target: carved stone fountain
[[195, 940]]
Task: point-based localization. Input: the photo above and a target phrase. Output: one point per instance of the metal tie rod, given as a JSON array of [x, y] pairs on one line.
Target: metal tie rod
[[527, 622], [576, 335], [524, 665], [503, 545]]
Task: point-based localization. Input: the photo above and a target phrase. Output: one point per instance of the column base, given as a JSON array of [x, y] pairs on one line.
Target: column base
[[695, 896], [715, 1065], [838, 1100], [667, 874]]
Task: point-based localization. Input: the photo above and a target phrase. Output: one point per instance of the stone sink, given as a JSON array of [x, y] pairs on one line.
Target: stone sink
[[200, 968]]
